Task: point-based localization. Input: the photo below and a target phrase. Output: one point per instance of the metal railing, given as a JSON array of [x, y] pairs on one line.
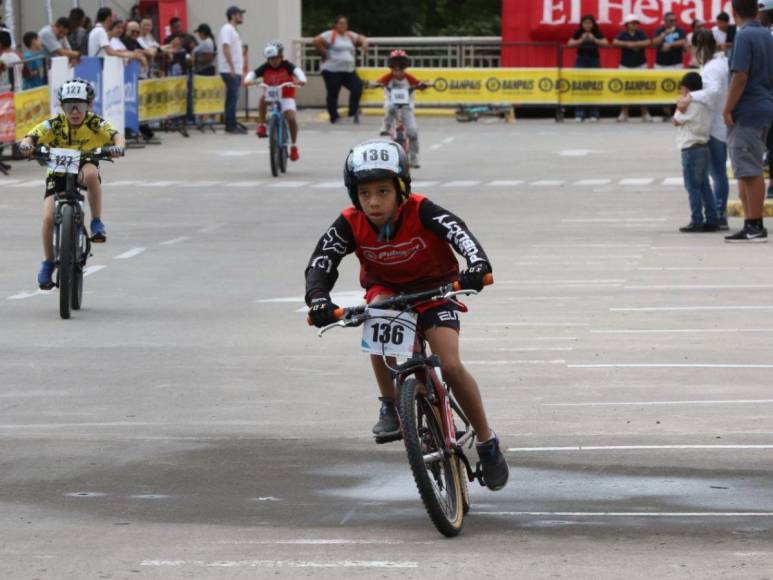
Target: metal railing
[[437, 51]]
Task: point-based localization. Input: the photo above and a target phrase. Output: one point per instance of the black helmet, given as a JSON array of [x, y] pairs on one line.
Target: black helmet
[[377, 159], [76, 90]]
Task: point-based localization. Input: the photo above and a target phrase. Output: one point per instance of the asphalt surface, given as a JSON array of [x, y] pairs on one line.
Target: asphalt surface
[[187, 424]]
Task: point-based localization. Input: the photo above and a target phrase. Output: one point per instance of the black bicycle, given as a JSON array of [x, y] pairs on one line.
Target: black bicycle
[[433, 427], [72, 246]]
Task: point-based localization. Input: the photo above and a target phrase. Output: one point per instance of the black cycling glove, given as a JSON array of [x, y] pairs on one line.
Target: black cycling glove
[[322, 311], [472, 277]]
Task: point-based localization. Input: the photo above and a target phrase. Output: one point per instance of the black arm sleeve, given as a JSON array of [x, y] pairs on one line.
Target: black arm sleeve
[[322, 271], [451, 228], [260, 71]]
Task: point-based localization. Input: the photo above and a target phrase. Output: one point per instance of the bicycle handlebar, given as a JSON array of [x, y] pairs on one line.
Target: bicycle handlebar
[[283, 85], [402, 300], [43, 152]]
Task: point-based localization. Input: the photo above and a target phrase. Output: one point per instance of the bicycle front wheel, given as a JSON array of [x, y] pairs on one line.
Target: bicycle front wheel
[[283, 153], [435, 471], [79, 260], [66, 260], [273, 146]]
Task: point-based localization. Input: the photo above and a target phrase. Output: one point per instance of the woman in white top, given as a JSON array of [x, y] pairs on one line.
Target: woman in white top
[[338, 48], [116, 33], [715, 73], [146, 39]]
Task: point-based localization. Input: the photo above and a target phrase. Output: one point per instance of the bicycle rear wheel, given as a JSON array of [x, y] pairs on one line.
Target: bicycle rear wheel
[[273, 147], [66, 260], [436, 473]]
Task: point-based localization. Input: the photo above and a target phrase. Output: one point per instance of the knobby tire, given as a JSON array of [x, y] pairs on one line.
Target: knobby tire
[[274, 146], [66, 260], [423, 434]]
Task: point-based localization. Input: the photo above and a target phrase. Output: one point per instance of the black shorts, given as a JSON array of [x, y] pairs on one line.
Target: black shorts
[[57, 183], [446, 315]]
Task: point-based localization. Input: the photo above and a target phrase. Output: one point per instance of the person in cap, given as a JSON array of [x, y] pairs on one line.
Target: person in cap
[[632, 43]]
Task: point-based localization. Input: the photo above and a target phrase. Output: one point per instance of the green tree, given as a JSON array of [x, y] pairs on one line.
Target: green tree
[[406, 17]]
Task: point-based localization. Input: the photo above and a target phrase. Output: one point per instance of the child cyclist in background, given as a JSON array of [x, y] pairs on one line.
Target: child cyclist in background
[[76, 128], [398, 78], [404, 243], [276, 71]]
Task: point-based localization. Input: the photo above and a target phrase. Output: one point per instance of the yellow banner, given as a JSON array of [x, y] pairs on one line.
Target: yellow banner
[[618, 86], [163, 98], [208, 95], [537, 86], [467, 85], [32, 107]]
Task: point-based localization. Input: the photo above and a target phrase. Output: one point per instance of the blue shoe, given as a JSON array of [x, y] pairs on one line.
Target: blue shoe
[[98, 233], [45, 275]]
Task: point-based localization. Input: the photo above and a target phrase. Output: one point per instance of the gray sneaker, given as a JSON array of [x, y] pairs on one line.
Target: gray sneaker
[[388, 426]]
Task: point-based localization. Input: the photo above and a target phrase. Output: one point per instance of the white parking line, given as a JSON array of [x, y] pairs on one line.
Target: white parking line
[[635, 448], [448, 139], [32, 183], [200, 183], [210, 229], [288, 184], [244, 184], [590, 182], [664, 403], [515, 362], [157, 183], [547, 182], [561, 282], [505, 183], [89, 270], [637, 181], [527, 324], [279, 564], [461, 183], [701, 287], [687, 308], [673, 181], [680, 330], [124, 183], [420, 184], [25, 295], [174, 241], [634, 514], [130, 254], [670, 366], [328, 185]]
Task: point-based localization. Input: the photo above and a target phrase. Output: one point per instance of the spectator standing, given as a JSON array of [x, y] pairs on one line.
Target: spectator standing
[[633, 43], [748, 114], [670, 41], [35, 64], [587, 39], [694, 126], [205, 52], [231, 66], [723, 32], [99, 39], [714, 74], [53, 37], [8, 61], [697, 25], [766, 19], [338, 48], [146, 39], [78, 36]]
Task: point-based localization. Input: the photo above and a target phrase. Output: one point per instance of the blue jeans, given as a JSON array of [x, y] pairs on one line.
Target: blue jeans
[[695, 169], [232, 85], [718, 171]]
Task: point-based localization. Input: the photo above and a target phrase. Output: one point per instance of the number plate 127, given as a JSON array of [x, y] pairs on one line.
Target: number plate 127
[[389, 332]]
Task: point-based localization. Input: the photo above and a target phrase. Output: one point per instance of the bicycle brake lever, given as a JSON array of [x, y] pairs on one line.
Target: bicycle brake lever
[[454, 293]]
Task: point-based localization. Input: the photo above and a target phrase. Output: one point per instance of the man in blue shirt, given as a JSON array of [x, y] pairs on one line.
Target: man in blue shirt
[[748, 114]]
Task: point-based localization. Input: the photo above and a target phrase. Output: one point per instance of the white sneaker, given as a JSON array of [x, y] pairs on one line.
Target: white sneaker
[[594, 120], [622, 118], [647, 118]]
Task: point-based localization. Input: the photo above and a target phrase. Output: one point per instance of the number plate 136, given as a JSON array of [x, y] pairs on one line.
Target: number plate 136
[[389, 332]]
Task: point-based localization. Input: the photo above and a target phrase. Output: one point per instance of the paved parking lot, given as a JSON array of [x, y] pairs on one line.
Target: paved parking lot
[[187, 423]]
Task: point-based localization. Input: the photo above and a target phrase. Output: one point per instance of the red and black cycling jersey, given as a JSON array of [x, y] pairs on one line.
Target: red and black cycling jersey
[[276, 76], [418, 257]]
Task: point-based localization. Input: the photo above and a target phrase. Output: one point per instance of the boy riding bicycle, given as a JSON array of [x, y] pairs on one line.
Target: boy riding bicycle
[[398, 79], [76, 128], [274, 72], [404, 243]]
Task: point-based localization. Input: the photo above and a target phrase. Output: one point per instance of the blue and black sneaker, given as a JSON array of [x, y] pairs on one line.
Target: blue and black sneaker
[[388, 427], [493, 464], [45, 275], [98, 233]]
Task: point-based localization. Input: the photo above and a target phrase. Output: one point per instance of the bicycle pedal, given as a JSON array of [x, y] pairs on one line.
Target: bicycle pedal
[[387, 438], [479, 474], [98, 239]]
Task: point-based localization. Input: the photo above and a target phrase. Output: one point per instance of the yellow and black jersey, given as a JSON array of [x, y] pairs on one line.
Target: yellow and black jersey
[[93, 133]]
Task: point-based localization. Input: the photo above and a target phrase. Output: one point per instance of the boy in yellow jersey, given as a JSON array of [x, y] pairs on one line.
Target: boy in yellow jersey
[[76, 128]]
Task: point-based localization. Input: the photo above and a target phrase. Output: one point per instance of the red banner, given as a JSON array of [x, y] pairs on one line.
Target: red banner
[[556, 20], [7, 118]]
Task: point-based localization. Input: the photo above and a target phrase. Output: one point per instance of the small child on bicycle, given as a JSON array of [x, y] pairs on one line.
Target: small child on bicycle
[[76, 128], [398, 78], [274, 72], [404, 243]]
